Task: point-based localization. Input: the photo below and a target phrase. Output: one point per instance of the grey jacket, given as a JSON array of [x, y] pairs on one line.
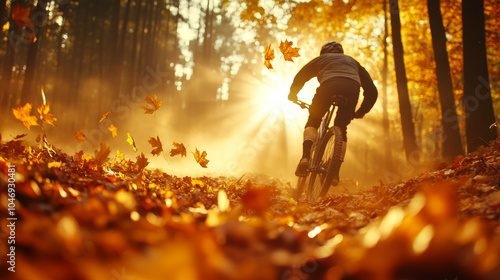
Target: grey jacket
[[333, 65]]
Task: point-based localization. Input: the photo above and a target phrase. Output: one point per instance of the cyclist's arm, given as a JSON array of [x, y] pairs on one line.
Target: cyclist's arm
[[307, 72], [370, 92]]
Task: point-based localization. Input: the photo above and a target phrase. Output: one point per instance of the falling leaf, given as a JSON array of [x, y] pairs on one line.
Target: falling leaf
[[200, 158], [157, 145], [142, 162], [105, 116], [79, 136], [178, 150], [154, 102], [22, 113], [21, 17], [113, 129], [101, 156], [268, 56], [19, 136], [287, 50], [131, 141], [45, 114]]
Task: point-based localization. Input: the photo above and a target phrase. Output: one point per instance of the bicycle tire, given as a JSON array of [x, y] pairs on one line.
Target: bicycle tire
[[326, 163]]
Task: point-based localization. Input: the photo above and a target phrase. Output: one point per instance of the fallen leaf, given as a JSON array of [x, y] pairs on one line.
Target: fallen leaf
[[287, 50], [101, 156], [113, 129], [157, 145], [142, 162], [45, 114], [178, 150], [79, 136], [268, 56], [105, 116], [154, 102], [131, 141], [22, 113], [200, 158]]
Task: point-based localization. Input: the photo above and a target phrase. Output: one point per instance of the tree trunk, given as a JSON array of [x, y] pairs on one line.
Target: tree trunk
[[479, 114], [385, 114], [451, 141], [408, 127], [29, 85], [12, 47], [3, 11]]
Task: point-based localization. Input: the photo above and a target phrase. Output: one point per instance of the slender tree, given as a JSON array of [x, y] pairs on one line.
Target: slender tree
[[409, 140], [40, 17], [385, 71], [477, 101], [451, 142]]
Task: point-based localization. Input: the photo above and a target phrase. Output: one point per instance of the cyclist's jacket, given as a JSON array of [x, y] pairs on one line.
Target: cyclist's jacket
[[335, 65]]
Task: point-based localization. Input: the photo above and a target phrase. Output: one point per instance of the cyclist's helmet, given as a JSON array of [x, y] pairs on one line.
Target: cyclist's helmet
[[332, 47]]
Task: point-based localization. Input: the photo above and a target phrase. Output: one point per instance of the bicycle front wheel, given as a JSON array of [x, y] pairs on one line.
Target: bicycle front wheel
[[327, 162]]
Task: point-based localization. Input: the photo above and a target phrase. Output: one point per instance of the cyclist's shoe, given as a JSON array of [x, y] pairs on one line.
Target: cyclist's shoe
[[301, 170], [335, 181]]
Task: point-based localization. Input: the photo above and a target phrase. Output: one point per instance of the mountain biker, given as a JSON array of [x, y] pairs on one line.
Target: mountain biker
[[338, 74]]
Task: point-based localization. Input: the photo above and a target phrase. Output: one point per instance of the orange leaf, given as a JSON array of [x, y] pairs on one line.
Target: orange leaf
[[154, 102], [157, 145], [131, 141], [268, 56], [22, 17], [22, 113], [79, 136], [113, 129], [142, 162], [287, 50], [178, 150], [101, 156], [45, 114], [105, 116], [200, 158]]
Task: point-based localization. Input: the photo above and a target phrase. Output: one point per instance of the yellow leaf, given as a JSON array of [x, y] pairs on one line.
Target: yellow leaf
[[131, 141], [113, 129], [200, 158], [22, 113], [105, 116], [79, 136], [154, 104], [268, 56], [142, 162], [157, 145], [178, 150], [287, 50], [54, 164], [45, 114]]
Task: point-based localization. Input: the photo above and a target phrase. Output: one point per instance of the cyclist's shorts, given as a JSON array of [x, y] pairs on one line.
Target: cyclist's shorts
[[322, 100]]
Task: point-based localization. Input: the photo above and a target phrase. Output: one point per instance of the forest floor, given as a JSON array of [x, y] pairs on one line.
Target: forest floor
[[83, 217]]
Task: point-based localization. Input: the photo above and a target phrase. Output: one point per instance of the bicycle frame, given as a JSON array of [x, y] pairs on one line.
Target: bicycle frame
[[316, 164]]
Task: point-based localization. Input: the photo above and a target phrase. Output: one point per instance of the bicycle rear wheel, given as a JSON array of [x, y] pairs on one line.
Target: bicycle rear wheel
[[327, 163]]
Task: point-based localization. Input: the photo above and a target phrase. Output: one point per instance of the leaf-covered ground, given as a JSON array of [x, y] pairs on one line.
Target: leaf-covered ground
[[84, 217]]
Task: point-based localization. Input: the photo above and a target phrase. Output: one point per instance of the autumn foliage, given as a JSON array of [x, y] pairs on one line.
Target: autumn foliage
[[104, 217]]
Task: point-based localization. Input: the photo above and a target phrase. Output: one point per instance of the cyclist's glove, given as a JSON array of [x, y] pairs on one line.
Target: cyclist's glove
[[292, 97], [358, 115]]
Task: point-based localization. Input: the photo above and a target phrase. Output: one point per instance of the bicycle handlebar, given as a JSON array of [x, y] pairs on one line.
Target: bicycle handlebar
[[302, 104]]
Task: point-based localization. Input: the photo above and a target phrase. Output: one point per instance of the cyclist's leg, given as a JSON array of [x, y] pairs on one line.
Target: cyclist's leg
[[319, 105], [350, 89]]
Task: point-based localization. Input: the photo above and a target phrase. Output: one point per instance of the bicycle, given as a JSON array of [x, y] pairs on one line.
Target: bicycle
[[326, 156]]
